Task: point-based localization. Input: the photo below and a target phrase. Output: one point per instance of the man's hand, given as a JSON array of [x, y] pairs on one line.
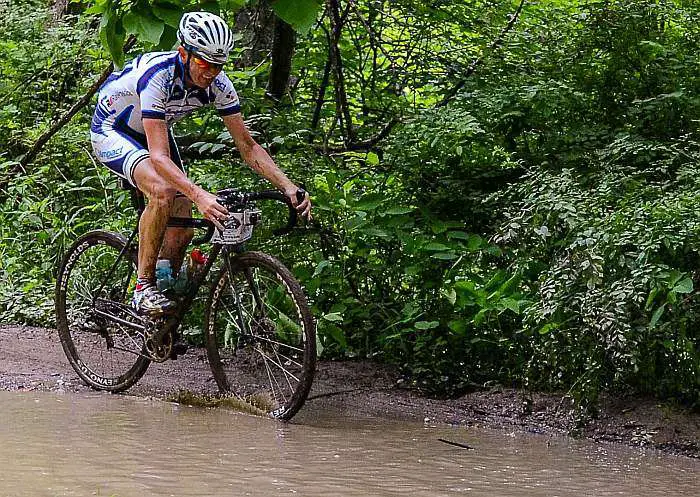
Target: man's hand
[[303, 207], [210, 208]]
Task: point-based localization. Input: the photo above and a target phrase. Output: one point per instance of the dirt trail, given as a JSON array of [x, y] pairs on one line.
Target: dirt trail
[[32, 359]]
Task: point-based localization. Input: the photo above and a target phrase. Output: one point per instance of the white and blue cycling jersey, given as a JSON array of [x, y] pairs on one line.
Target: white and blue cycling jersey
[[151, 86]]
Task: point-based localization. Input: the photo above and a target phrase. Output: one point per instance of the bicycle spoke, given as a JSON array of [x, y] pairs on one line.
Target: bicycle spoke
[[278, 364], [273, 379], [281, 344]]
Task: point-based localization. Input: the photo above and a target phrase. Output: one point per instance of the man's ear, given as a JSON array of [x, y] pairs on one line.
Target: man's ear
[[182, 52]]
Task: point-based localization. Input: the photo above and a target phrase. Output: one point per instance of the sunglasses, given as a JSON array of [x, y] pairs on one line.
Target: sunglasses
[[206, 65]]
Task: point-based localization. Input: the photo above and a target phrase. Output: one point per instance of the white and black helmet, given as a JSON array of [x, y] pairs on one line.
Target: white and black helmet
[[207, 35]]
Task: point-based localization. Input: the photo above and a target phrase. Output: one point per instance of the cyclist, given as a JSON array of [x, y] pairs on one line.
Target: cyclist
[[131, 135]]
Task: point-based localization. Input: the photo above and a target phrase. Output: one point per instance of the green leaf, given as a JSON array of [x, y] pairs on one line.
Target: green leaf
[[650, 299], [286, 326], [445, 256], [512, 305], [438, 226], [450, 295], [370, 202], [480, 317], [372, 159], [339, 307], [112, 35], [319, 345], [426, 325], [683, 286], [412, 270], [336, 334], [458, 326], [656, 316], [435, 246], [98, 8], [376, 232], [509, 285], [144, 25], [232, 5], [399, 210], [168, 13], [548, 328], [475, 243], [320, 267], [496, 280], [301, 14], [333, 316], [459, 235]]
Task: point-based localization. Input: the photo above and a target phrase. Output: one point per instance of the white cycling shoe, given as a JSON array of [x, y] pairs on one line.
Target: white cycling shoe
[[150, 302]]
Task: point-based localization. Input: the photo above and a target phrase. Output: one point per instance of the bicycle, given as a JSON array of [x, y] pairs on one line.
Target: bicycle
[[259, 333]]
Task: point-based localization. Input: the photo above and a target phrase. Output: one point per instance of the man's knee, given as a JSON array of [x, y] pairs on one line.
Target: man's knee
[[162, 194], [157, 190]]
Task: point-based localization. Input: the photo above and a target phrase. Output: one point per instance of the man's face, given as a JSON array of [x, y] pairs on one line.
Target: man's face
[[202, 73]]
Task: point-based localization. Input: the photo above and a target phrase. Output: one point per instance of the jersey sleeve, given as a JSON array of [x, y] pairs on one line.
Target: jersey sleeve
[[152, 89], [226, 99]]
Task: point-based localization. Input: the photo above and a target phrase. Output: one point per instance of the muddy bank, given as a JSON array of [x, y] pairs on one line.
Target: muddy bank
[[32, 359]]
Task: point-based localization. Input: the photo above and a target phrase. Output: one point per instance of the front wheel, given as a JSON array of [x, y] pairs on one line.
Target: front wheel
[[260, 335], [93, 289]]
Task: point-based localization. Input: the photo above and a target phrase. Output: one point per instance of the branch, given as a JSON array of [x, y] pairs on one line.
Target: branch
[[322, 88], [340, 95], [65, 118], [363, 145], [472, 67]]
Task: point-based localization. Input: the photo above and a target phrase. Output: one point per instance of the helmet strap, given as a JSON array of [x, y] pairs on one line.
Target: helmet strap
[[187, 69]]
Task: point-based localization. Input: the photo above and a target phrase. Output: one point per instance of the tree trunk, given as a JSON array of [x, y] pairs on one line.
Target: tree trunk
[[282, 53], [337, 21], [255, 23], [58, 9]]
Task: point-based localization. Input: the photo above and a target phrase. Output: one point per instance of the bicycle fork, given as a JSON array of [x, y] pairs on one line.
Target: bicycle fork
[[246, 335]]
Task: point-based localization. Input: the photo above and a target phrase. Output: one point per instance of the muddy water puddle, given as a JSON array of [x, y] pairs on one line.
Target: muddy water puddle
[[107, 445]]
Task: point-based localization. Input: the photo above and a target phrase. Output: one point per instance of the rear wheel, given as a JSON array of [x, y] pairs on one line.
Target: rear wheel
[[260, 335], [90, 293]]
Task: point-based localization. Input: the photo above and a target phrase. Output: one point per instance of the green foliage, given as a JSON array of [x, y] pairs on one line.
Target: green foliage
[[155, 23], [299, 13], [539, 230]]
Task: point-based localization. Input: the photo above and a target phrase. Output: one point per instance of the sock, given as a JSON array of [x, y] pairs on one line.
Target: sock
[[142, 283]]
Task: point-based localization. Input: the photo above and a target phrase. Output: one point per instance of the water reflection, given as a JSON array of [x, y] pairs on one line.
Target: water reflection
[[111, 445]]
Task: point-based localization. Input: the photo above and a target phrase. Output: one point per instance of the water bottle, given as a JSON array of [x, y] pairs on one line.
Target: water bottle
[[189, 270], [164, 275]]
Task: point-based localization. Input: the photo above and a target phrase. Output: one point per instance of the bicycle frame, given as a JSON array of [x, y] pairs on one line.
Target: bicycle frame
[[186, 300]]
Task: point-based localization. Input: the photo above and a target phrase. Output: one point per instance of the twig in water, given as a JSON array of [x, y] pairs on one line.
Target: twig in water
[[457, 444]]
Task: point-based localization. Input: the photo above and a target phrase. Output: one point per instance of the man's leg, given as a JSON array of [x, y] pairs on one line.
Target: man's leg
[[154, 219], [176, 240], [147, 299]]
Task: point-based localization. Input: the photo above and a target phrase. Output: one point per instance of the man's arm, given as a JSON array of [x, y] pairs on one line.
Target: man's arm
[[260, 161], [159, 151]]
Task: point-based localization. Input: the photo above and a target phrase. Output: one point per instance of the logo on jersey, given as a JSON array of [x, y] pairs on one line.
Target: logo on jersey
[[110, 100], [220, 84]]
